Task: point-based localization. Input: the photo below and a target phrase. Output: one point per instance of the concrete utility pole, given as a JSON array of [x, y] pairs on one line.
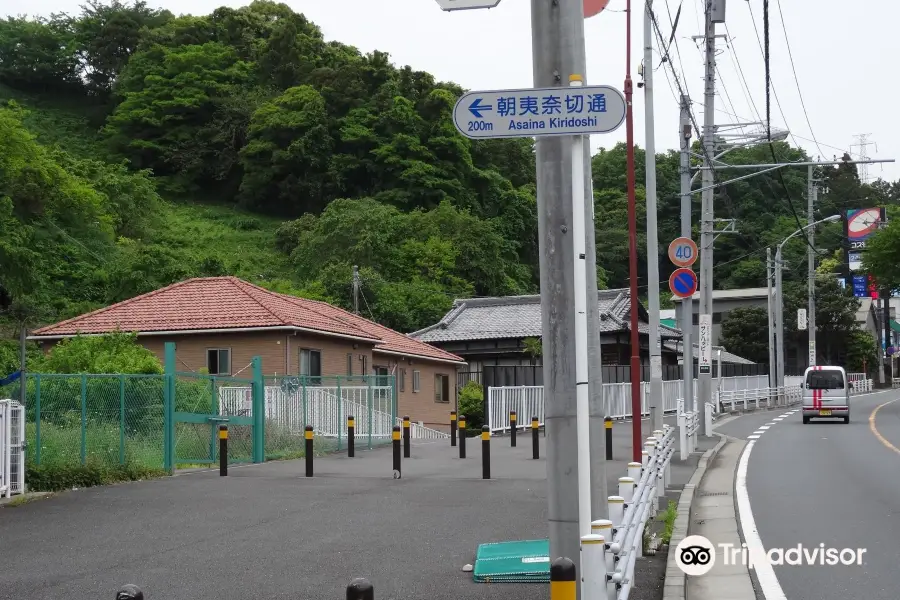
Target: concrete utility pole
[[714, 13], [773, 375], [779, 321], [355, 289], [656, 384], [687, 305], [558, 51], [811, 267]]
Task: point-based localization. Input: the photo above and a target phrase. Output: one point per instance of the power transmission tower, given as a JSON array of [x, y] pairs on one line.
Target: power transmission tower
[[863, 145]]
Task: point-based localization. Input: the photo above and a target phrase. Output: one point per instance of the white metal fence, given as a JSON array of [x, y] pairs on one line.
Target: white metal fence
[[326, 408], [609, 567], [12, 448], [729, 393]]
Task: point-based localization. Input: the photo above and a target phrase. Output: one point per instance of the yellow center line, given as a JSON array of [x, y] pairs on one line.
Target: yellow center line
[[874, 429]]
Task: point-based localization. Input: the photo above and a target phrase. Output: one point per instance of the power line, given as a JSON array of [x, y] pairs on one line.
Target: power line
[[729, 42], [796, 79]]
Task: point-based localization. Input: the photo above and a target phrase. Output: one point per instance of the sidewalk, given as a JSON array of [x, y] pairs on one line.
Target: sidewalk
[[714, 516]]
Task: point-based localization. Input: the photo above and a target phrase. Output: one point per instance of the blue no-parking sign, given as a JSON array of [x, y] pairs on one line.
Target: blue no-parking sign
[[683, 283]]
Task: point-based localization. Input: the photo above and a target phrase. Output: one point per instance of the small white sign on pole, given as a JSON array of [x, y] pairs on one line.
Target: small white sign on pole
[[466, 4], [801, 319], [812, 353], [705, 342]]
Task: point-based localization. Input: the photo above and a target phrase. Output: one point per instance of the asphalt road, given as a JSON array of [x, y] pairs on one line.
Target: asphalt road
[[267, 532], [832, 484]]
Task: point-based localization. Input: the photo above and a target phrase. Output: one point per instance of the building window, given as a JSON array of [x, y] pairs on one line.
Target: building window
[[382, 376], [696, 317], [218, 361], [416, 382], [402, 380], [365, 365], [350, 365], [310, 362], [441, 388]]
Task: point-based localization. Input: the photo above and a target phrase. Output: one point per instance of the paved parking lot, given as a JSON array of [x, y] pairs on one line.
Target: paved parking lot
[[266, 531]]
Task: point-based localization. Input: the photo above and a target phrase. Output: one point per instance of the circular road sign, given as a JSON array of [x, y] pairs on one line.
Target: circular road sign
[[683, 252], [683, 283]]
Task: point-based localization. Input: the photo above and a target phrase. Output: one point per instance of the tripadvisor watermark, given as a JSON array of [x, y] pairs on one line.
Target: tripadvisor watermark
[[696, 555]]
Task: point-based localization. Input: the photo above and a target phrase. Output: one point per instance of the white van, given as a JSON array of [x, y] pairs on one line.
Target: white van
[[826, 393]]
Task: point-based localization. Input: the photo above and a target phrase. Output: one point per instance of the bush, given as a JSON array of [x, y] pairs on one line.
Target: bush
[[471, 404], [53, 477]]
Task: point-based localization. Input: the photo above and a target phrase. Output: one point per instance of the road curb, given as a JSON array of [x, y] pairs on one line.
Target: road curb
[[675, 586]]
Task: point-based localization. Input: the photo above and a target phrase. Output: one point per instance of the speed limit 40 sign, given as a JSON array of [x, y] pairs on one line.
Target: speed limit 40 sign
[[683, 252]]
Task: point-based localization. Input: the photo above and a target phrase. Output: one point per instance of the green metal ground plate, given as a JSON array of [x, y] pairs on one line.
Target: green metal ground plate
[[525, 561]]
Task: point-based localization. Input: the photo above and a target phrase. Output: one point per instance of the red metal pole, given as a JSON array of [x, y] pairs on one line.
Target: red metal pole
[[632, 252]]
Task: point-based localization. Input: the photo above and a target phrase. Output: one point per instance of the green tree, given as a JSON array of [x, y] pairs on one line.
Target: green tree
[[112, 353], [287, 154], [882, 256], [741, 333]]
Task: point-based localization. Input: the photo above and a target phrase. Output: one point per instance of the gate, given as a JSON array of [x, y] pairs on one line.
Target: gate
[[12, 448], [196, 405]]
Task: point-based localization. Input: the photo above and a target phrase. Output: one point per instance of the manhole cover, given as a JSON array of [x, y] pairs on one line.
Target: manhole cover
[[715, 493]]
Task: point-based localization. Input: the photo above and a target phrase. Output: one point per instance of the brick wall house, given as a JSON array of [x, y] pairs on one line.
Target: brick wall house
[[220, 323]]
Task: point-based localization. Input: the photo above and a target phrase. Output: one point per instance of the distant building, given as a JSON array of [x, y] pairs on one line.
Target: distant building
[[724, 301]]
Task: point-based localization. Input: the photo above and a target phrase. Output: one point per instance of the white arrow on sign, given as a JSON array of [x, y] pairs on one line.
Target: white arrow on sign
[[539, 112], [466, 4]]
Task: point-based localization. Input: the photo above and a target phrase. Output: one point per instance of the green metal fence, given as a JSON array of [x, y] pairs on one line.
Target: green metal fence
[[81, 419]]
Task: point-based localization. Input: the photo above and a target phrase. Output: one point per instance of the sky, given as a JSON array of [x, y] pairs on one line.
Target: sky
[[818, 50]]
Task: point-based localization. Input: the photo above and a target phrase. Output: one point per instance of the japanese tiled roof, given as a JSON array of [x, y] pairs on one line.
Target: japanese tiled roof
[[520, 316], [218, 303]]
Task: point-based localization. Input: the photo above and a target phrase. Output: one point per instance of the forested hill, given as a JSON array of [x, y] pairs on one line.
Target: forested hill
[[138, 148]]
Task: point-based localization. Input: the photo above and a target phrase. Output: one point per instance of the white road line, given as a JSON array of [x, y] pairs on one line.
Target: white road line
[[770, 424], [752, 437], [765, 574], [763, 427], [758, 432]]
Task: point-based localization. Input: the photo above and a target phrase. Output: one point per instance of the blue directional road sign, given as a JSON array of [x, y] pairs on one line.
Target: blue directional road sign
[[540, 112], [683, 283]]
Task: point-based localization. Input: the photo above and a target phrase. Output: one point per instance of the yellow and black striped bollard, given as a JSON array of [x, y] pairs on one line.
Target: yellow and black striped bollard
[[608, 423], [351, 436], [462, 436], [223, 450], [395, 440], [485, 452], [308, 434], [406, 425], [452, 428], [562, 579], [535, 443], [513, 425]]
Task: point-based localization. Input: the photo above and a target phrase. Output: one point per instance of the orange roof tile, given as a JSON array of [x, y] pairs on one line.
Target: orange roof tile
[[207, 303]]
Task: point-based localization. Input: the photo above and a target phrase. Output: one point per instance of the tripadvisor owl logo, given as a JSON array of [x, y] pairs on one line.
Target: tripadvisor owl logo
[[695, 555]]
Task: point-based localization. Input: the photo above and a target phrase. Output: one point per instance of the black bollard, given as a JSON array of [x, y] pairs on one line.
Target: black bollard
[[562, 579], [129, 592], [360, 589], [395, 436], [452, 428], [462, 436], [485, 452], [512, 428], [223, 450], [406, 437], [351, 436], [607, 423], [535, 444], [308, 434]]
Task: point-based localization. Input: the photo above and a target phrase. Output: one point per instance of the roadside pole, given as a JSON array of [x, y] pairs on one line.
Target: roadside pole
[[811, 263], [779, 323], [656, 385], [687, 305], [773, 374]]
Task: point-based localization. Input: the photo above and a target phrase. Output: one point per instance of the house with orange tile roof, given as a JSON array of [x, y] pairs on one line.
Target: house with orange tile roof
[[220, 323]]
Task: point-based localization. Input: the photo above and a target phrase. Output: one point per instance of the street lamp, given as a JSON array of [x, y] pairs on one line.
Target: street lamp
[[779, 297]]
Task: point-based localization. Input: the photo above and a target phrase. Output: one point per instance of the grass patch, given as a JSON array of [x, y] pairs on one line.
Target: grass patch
[[668, 518]]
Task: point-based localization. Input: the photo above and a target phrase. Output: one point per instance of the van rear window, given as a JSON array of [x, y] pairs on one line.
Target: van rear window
[[824, 380]]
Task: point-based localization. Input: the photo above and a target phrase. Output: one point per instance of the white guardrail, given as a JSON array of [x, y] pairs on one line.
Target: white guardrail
[[12, 448], [610, 551], [731, 393]]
